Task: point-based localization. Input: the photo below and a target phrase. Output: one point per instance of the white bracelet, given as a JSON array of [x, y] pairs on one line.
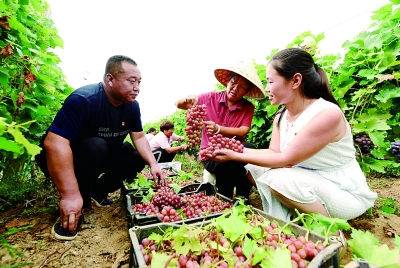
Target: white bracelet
[[219, 128]]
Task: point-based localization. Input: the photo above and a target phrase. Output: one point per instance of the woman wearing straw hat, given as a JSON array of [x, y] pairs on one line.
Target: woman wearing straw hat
[[230, 115]]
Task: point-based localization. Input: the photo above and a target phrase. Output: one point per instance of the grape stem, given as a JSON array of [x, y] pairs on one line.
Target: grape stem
[[169, 260]]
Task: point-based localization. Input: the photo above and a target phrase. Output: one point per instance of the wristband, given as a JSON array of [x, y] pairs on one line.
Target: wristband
[[218, 130]]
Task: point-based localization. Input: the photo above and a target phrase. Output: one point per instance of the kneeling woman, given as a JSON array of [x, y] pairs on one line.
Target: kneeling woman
[[310, 164]]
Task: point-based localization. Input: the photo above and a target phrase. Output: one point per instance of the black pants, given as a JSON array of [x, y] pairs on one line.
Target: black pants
[[91, 158], [229, 175], [165, 156]]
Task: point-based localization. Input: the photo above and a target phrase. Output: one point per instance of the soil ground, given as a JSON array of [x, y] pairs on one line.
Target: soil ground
[[104, 240]]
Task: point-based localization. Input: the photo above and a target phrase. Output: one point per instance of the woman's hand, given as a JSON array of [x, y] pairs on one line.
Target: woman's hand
[[223, 155], [211, 127], [191, 99]]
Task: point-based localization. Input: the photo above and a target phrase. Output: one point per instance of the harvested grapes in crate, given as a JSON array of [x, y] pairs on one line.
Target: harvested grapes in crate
[[168, 206], [240, 239]]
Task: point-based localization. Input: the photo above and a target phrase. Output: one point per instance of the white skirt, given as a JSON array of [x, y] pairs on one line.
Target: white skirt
[[306, 186]]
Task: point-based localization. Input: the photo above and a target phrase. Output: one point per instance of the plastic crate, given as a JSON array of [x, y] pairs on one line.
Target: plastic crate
[[140, 219], [328, 258]]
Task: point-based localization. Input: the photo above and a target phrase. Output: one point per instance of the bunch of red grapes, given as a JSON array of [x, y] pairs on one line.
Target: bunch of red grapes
[[165, 204], [396, 148], [166, 196], [364, 143], [301, 250], [194, 122], [217, 142]]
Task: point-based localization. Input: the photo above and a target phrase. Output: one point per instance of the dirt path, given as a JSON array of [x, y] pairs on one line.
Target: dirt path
[[104, 241]]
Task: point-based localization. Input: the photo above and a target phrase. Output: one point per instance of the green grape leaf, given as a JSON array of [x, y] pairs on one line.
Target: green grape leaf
[[251, 250], [4, 78], [378, 138], [156, 237], [160, 259], [8, 145], [397, 240], [175, 186], [368, 73], [31, 148], [16, 25], [277, 259], [388, 93], [256, 233], [186, 240], [374, 164], [376, 254], [233, 226], [259, 121], [386, 60]]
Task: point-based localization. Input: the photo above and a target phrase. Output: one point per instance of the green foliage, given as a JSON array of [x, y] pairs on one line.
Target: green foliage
[[375, 254], [32, 89], [366, 86], [178, 118], [190, 163], [389, 206], [365, 83]]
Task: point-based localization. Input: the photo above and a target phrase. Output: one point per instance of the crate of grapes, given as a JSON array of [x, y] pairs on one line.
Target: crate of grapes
[[238, 239], [167, 206], [142, 195]]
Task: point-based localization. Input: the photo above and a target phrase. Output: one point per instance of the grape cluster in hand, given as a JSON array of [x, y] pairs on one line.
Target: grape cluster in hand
[[396, 148], [217, 142], [194, 122], [364, 142]]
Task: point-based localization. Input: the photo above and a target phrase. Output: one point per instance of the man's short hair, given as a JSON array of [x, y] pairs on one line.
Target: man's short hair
[[114, 65], [166, 125]]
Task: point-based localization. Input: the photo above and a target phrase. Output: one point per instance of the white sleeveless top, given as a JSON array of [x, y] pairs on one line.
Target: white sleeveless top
[[335, 159]]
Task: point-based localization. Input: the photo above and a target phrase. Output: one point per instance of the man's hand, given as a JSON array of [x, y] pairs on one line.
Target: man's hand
[[181, 139], [158, 176], [211, 127], [70, 211], [223, 155], [184, 146]]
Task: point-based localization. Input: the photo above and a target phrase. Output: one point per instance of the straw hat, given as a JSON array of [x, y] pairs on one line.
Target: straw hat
[[246, 70]]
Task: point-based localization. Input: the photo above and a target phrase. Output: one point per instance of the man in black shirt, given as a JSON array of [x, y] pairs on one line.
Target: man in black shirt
[[86, 139]]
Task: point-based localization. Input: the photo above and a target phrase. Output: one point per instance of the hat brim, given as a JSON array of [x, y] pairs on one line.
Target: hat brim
[[250, 73]]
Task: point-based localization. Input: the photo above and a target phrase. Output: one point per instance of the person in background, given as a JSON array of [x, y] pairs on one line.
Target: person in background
[[150, 133], [161, 143], [86, 139], [230, 115], [310, 164]]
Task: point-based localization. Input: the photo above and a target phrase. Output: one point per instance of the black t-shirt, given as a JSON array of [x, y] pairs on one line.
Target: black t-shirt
[[87, 112]]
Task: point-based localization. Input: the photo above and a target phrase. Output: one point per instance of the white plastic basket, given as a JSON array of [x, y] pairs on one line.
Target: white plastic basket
[[176, 166]]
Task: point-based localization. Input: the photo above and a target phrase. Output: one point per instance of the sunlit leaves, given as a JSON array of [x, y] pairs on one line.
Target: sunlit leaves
[[365, 245]]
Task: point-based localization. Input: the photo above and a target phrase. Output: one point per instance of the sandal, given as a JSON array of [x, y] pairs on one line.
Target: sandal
[[341, 239]]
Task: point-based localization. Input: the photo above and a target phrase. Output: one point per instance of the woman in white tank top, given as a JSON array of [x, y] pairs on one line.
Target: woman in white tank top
[[310, 164]]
